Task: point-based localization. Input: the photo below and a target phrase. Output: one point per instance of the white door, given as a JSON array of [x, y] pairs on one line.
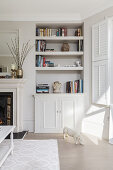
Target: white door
[[46, 115], [100, 41], [100, 79], [68, 113]]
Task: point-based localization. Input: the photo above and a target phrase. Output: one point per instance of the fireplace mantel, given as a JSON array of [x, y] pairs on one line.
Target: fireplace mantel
[[16, 86], [14, 82]]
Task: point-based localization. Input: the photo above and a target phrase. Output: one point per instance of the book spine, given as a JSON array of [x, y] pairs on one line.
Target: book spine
[[63, 32], [40, 31], [81, 86], [73, 87], [39, 61], [36, 45], [39, 45], [44, 61], [60, 31], [37, 31], [76, 87], [44, 32], [50, 32]]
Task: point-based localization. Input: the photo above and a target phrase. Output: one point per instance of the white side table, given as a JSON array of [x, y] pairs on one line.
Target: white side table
[[4, 132]]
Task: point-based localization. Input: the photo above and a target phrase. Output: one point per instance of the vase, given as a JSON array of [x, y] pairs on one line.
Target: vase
[[19, 73]]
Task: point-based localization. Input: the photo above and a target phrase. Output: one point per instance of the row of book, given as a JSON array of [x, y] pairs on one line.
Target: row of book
[[80, 45], [74, 86], [61, 32], [48, 32], [40, 45], [42, 88], [43, 32], [42, 62]]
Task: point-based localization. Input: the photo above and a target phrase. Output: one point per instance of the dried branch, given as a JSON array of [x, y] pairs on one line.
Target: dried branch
[[14, 56], [14, 49]]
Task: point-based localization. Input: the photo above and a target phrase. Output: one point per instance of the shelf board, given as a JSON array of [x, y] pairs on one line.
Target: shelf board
[[60, 38], [59, 68], [59, 53], [63, 94]]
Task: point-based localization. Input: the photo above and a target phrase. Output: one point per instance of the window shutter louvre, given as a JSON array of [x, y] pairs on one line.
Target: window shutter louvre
[[100, 41]]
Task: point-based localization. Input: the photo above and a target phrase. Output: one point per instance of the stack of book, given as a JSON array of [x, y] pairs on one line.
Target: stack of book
[[42, 62], [43, 32], [40, 46], [42, 88], [74, 86], [61, 32]]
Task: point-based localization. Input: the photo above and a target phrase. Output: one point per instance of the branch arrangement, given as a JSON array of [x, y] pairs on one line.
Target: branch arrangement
[[17, 56]]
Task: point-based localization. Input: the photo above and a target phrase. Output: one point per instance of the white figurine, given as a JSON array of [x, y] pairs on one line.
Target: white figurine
[[77, 137], [56, 87]]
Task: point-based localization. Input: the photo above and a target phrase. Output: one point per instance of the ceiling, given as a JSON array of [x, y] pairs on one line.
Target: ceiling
[[51, 9]]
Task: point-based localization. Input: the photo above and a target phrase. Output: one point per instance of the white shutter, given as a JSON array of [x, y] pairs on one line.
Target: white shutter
[[100, 41], [103, 39], [95, 82], [95, 42], [100, 85]]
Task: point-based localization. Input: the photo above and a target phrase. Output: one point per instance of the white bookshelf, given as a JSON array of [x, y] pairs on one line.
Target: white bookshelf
[[62, 74], [59, 68]]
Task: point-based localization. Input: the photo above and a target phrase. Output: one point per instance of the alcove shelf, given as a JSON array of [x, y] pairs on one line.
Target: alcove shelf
[[64, 69]]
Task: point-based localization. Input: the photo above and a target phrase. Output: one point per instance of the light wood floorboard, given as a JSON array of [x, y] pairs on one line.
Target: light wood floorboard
[[94, 155]]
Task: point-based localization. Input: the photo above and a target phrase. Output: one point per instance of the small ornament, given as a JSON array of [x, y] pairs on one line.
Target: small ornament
[[57, 87], [65, 47]]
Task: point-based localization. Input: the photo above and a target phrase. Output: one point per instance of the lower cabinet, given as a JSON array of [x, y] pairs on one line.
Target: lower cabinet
[[53, 112]]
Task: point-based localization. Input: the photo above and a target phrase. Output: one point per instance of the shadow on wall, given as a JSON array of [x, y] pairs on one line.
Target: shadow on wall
[[96, 122]]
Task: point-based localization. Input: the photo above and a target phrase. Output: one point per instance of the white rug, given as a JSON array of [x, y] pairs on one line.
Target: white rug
[[33, 155]]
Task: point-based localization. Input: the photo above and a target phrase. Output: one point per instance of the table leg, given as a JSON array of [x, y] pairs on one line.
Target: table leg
[[12, 145]]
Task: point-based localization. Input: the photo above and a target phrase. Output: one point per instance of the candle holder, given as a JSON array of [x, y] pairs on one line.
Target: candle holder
[[13, 73]]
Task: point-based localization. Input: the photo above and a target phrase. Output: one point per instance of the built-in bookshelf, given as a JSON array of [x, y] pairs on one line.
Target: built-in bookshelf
[[59, 54]]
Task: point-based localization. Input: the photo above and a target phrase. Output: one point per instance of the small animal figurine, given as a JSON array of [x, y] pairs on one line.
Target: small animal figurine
[[77, 137]]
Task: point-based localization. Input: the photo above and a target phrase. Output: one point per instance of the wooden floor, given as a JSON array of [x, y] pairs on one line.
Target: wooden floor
[[94, 155]]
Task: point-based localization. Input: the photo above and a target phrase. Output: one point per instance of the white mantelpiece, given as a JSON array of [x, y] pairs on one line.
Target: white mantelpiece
[[15, 86]]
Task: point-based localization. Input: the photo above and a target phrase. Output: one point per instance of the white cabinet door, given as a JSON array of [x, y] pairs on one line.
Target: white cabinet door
[[68, 113], [54, 112], [46, 115], [100, 82], [100, 41]]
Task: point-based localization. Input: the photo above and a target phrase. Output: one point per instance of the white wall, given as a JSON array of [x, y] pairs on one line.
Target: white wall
[[27, 32]]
